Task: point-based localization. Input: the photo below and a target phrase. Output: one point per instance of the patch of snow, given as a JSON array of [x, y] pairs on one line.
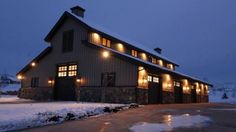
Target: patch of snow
[[11, 99], [171, 122], [20, 116], [10, 87], [216, 97]]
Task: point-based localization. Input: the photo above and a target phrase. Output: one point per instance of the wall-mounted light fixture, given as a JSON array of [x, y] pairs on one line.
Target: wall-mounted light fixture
[[20, 77], [105, 54], [33, 64]]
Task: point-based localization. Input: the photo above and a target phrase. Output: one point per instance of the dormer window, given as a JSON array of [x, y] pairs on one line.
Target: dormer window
[[170, 66], [143, 56], [154, 60], [106, 42], [160, 62], [95, 38], [134, 53]]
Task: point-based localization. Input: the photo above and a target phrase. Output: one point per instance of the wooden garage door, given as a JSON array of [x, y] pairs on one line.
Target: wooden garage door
[[65, 82]]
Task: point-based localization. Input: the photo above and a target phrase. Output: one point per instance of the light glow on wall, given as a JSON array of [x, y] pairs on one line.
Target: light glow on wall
[[142, 77], [105, 54], [186, 86], [167, 82], [120, 47], [20, 77]]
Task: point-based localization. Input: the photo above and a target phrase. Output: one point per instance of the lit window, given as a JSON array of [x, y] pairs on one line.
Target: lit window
[[134, 53], [154, 60], [160, 62], [61, 74], [149, 78], [95, 38], [155, 79], [70, 70], [170, 66], [177, 84], [120, 47], [71, 73], [143, 56], [106, 42]]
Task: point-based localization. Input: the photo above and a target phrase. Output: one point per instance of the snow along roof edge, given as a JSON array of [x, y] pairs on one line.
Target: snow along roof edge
[[154, 65], [121, 38]]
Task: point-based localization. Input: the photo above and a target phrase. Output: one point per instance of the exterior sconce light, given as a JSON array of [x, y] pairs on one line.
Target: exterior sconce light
[[78, 80], [33, 64], [20, 77], [50, 82], [105, 54]]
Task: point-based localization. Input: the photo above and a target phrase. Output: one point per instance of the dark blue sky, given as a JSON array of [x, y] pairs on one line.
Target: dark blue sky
[[200, 35]]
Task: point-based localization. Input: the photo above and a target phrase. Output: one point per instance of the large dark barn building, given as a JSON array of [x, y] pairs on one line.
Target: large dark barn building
[[85, 62]]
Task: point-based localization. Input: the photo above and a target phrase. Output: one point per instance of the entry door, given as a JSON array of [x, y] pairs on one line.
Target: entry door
[[178, 93], [65, 89], [154, 90], [194, 95], [65, 82]]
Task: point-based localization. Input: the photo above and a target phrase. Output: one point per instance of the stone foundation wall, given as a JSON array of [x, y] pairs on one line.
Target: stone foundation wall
[[142, 96], [42, 93], [168, 97], [204, 99], [108, 94], [187, 98]]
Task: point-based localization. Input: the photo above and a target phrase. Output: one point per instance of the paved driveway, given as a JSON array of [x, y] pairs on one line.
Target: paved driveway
[[223, 118]]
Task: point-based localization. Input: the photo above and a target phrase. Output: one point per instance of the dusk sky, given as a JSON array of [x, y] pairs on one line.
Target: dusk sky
[[199, 35]]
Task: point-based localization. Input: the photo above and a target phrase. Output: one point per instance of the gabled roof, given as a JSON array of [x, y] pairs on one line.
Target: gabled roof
[[36, 60], [104, 31]]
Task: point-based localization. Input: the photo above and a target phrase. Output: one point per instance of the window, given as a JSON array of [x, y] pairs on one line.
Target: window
[[154, 60], [134, 53], [106, 42], [108, 79], [67, 70], [160, 62], [95, 38], [177, 84], [34, 82], [155, 79], [170, 66], [149, 78], [68, 40]]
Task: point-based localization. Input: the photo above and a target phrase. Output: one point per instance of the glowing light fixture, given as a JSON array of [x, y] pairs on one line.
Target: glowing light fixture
[[33, 64], [78, 80], [105, 54], [19, 77], [50, 81]]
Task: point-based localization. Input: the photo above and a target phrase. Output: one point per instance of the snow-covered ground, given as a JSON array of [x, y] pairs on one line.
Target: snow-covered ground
[[170, 122], [25, 115], [216, 96], [12, 99], [10, 87]]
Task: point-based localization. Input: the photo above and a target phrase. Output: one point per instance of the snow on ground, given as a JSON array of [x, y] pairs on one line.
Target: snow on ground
[[10, 87], [11, 99], [26, 115], [170, 122], [216, 96]]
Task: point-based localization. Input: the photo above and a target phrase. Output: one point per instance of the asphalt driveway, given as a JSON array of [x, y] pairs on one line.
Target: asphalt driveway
[[223, 118]]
